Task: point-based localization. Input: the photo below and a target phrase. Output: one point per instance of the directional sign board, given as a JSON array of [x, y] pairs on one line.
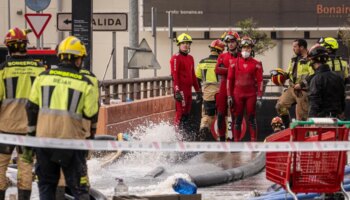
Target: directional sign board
[[38, 22], [100, 21]]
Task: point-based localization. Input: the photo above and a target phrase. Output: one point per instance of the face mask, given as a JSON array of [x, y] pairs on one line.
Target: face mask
[[245, 54]]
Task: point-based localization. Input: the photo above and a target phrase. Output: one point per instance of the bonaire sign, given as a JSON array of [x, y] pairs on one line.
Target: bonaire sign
[[100, 21]]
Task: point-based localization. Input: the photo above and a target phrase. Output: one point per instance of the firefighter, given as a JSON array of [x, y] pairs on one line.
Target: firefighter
[[205, 73], [297, 72], [17, 74], [184, 78], [59, 101], [327, 90], [225, 60], [336, 63], [245, 89]]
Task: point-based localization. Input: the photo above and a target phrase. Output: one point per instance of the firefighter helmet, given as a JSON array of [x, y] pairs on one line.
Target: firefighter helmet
[[217, 45], [318, 54], [278, 76], [183, 38], [246, 41], [16, 35], [329, 43], [231, 36], [71, 46], [277, 124]]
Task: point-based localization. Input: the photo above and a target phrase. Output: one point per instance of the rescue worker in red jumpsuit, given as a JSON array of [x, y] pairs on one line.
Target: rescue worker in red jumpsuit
[[184, 78], [224, 61], [244, 89]]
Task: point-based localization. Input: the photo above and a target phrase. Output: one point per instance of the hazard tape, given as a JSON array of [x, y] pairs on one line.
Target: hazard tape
[[111, 145]]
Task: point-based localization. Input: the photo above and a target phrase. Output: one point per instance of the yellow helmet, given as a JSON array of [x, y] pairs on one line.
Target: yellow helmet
[[71, 46], [329, 43], [183, 38]]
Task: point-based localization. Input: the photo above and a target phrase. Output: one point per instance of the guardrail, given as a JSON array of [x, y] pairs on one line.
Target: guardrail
[[133, 89], [142, 88]]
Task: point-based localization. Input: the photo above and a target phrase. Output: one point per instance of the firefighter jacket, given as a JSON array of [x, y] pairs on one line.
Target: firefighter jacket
[[182, 71], [17, 75], [206, 70], [91, 124], [326, 93], [338, 65], [298, 71], [59, 101]]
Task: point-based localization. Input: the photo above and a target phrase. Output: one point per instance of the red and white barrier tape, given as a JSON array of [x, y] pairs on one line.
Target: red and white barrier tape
[[109, 145]]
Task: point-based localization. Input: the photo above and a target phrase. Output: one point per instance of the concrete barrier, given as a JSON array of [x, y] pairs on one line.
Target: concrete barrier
[[125, 117]]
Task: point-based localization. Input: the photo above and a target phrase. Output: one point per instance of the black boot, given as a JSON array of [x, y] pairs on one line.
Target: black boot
[[60, 191], [2, 194], [204, 134], [24, 194], [286, 120]]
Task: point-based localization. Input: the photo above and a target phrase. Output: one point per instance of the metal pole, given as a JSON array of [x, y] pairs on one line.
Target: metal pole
[[114, 61], [38, 39], [9, 14], [125, 63], [60, 33], [133, 32], [25, 12], [170, 26], [154, 34]]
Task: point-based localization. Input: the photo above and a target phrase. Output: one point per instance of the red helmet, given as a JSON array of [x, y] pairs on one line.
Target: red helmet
[[278, 76], [277, 124], [16, 35], [246, 41], [217, 44], [231, 35]]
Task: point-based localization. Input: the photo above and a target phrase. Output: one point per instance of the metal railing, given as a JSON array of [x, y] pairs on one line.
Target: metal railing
[[143, 88], [135, 89]]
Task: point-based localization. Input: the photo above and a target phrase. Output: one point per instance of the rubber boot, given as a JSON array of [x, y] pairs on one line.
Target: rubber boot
[[252, 128], [60, 191], [2, 194], [204, 134], [237, 131], [222, 138], [221, 124], [286, 120], [24, 194]]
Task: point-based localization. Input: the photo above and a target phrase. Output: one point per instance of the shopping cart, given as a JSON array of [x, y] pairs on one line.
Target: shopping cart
[[305, 172]]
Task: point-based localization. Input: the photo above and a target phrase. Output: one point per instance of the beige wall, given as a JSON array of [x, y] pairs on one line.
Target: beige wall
[[102, 40]]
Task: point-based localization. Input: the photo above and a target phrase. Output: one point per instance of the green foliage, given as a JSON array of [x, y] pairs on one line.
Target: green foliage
[[262, 42]]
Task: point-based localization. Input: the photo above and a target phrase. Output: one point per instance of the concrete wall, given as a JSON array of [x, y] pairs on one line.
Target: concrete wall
[[125, 117]]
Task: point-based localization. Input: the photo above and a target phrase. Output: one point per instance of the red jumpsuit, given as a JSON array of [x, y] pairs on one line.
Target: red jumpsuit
[[245, 84], [224, 61], [182, 71]]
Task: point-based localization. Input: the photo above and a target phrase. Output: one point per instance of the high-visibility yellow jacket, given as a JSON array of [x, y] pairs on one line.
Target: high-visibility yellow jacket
[[17, 75], [206, 70], [91, 124], [61, 98], [302, 71], [338, 65]]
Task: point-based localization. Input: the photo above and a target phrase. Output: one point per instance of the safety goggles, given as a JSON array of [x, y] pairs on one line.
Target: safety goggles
[[276, 72], [246, 43]]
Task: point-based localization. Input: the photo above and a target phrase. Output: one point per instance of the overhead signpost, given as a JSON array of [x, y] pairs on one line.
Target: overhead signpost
[[100, 21], [38, 22]]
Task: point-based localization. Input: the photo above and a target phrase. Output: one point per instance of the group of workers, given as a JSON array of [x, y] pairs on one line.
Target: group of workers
[[232, 82], [52, 103], [229, 81]]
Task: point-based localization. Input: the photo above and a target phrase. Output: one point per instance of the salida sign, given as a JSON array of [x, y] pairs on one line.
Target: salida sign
[[100, 21]]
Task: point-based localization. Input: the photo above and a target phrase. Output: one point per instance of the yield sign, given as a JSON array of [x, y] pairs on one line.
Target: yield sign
[[38, 22]]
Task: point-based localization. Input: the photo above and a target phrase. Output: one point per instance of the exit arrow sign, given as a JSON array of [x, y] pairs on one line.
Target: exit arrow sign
[[100, 21]]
